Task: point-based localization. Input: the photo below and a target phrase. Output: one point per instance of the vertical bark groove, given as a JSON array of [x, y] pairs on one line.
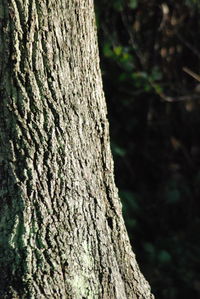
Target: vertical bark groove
[[61, 228]]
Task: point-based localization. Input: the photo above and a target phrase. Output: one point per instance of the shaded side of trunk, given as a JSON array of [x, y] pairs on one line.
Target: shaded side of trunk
[[61, 229]]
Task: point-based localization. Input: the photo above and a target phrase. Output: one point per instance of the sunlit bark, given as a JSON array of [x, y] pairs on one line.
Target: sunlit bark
[[61, 229]]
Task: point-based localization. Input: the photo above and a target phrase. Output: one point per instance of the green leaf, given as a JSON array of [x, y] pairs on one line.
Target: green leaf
[[123, 77], [164, 257], [133, 4], [147, 88], [131, 200], [132, 223], [107, 50], [149, 248], [119, 151], [118, 5], [156, 74], [137, 75], [118, 50], [158, 88]]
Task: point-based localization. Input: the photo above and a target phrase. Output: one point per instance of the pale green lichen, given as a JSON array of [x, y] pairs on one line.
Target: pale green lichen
[[13, 235], [84, 282]]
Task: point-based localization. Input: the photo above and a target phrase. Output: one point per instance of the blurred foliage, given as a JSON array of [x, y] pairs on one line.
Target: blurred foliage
[[154, 111]]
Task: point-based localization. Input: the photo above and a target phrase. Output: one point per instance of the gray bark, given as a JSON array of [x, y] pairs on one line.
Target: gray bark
[[61, 229]]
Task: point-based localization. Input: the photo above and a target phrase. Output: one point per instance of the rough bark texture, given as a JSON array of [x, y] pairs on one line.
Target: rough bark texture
[[61, 229]]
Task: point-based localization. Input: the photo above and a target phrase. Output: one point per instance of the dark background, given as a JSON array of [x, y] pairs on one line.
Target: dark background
[[154, 114]]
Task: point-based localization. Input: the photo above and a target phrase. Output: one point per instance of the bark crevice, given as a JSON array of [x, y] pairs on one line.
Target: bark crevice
[[61, 229]]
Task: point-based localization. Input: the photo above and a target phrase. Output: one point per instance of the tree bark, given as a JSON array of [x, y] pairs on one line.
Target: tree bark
[[61, 229]]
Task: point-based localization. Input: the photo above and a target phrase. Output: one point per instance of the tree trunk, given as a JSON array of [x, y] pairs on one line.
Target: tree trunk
[[61, 229]]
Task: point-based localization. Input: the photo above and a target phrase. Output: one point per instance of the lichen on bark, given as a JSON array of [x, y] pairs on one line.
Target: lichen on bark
[[61, 229]]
